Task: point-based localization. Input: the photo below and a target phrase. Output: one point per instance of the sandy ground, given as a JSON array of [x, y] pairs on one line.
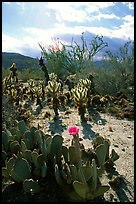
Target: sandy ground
[[120, 132]]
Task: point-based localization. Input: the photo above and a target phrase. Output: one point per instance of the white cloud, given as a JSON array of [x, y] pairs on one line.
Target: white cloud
[[12, 44], [128, 18], [105, 16], [125, 31], [34, 36], [127, 28], [76, 12], [69, 11], [92, 7]]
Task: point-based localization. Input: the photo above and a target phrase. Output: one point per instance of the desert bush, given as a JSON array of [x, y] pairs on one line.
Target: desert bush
[[121, 66], [27, 74], [65, 59]]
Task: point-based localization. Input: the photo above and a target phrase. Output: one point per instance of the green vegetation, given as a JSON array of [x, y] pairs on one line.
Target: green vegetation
[[30, 156], [69, 59], [115, 74], [21, 61]]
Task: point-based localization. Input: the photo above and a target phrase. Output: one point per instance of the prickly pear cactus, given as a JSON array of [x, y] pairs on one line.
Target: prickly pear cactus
[[101, 154], [56, 147], [18, 169], [22, 127], [31, 186]]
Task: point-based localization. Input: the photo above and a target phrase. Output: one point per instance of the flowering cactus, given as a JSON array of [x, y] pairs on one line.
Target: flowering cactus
[[74, 131]]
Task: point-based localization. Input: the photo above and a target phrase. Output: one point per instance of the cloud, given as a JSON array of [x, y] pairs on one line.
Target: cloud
[[25, 46], [66, 13], [124, 31], [29, 43], [76, 12], [127, 28], [105, 16], [10, 44]]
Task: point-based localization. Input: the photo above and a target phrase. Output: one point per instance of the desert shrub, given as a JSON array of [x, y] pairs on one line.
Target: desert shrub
[[5, 73], [65, 59], [27, 74], [115, 74], [121, 65]]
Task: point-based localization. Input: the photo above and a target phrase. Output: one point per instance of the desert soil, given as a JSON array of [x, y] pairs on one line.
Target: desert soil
[[120, 132]]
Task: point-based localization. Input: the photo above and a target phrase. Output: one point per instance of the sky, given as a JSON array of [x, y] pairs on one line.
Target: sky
[[26, 24]]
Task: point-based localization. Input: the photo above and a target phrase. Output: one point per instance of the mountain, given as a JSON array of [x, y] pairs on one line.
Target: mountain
[[22, 62], [99, 63]]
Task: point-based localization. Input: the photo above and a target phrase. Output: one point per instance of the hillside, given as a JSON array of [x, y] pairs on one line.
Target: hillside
[[24, 62], [21, 61]]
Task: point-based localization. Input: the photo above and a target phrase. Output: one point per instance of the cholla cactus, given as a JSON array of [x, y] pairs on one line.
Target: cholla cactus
[[53, 89], [53, 77], [87, 84], [13, 72], [38, 92], [84, 83], [79, 96], [42, 86], [31, 83]]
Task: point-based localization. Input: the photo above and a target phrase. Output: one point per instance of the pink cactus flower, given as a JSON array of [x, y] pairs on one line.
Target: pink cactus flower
[[73, 130]]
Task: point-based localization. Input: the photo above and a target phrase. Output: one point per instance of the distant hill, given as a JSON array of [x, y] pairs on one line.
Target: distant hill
[[22, 62], [99, 63]]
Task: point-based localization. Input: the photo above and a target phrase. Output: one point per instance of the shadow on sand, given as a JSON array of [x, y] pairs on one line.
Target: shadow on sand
[[87, 128], [97, 118], [56, 126], [88, 133], [121, 186]]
